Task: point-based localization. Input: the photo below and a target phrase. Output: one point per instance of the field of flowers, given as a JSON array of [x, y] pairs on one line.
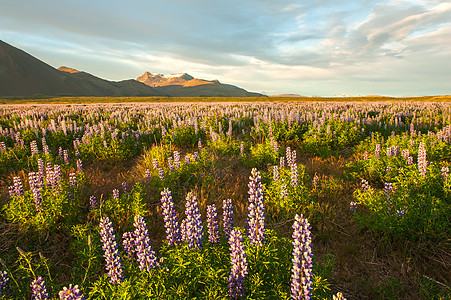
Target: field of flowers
[[267, 200]]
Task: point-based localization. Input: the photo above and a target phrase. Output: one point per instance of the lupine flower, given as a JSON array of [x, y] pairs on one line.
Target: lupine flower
[[388, 188], [241, 148], [34, 148], [422, 162], [282, 162], [11, 191], [196, 156], [365, 155], [339, 296], [400, 212], [4, 280], [72, 179], [92, 202], [77, 153], [124, 187], [377, 151], [301, 277], [227, 216], [177, 159], [116, 194], [365, 185], [66, 157], [146, 256], [194, 228], [79, 166], [71, 293], [445, 173], [293, 157], [256, 215], [294, 174], [183, 231], [199, 144], [283, 191], [212, 223], [388, 169], [161, 173], [18, 188], [147, 175], [112, 259], [288, 155], [128, 241], [37, 198], [170, 218], [239, 265], [38, 290], [155, 163], [410, 160], [275, 173], [187, 159], [353, 206]]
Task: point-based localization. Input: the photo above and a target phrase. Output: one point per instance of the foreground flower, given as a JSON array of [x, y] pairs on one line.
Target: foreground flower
[[301, 277], [38, 290], [71, 293], [239, 265], [112, 259], [194, 228], [339, 296], [128, 241], [227, 217], [170, 218], [212, 222], [146, 256], [256, 216], [4, 280]]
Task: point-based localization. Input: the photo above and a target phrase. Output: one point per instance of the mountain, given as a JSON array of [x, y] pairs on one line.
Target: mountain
[[24, 75], [185, 85]]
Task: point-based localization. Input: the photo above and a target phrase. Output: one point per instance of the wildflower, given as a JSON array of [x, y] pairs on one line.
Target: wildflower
[[283, 191], [146, 256], [365, 185], [183, 231], [377, 151], [294, 175], [256, 216], [288, 155], [282, 162], [301, 277], [147, 175], [124, 187], [72, 179], [71, 293], [339, 296], [196, 156], [4, 280], [353, 206], [18, 188], [241, 148], [112, 259], [422, 162], [161, 173], [128, 241], [66, 157], [365, 155], [37, 198], [79, 166], [194, 229], [227, 216], [170, 218], [239, 265], [116, 194], [275, 173], [177, 159], [445, 173], [34, 148], [92, 202], [315, 180], [213, 226], [38, 289], [155, 163]]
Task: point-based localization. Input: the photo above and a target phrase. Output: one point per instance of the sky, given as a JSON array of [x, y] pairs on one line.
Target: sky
[[311, 48]]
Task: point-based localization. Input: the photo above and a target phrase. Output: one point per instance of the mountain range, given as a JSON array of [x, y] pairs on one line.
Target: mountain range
[[23, 75]]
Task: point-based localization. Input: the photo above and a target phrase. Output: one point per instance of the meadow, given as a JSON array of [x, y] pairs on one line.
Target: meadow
[[225, 199]]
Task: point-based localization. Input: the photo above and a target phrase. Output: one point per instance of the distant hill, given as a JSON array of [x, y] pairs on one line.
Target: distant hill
[[185, 85], [288, 96], [24, 75]]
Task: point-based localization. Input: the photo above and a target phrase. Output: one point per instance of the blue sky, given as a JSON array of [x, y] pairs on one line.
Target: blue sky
[[312, 48]]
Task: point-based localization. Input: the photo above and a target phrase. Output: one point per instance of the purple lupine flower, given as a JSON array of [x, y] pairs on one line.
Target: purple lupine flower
[[400, 212], [40, 166], [339, 296], [353, 206], [161, 173], [301, 277], [242, 149], [57, 174], [92, 202], [112, 259], [11, 191], [445, 173], [388, 188], [410, 160], [288, 155], [239, 265], [66, 156], [79, 166], [128, 241], [377, 151], [124, 187], [37, 199], [388, 169], [196, 156], [4, 280], [187, 159], [293, 157], [170, 218], [177, 159], [18, 187], [170, 164], [282, 162], [227, 217], [294, 174], [194, 228], [283, 191], [34, 148], [155, 163], [199, 144], [146, 256], [365, 185], [213, 226], [32, 180], [77, 153], [256, 215], [183, 231], [147, 175], [71, 293], [72, 179], [365, 156], [422, 162], [38, 289], [275, 171], [116, 194]]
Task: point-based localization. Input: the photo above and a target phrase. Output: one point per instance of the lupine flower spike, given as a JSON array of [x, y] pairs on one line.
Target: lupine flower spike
[[194, 228], [301, 277], [213, 227], [256, 216], [227, 217], [71, 293], [170, 218], [38, 289], [239, 265], [112, 259], [4, 280], [146, 256]]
